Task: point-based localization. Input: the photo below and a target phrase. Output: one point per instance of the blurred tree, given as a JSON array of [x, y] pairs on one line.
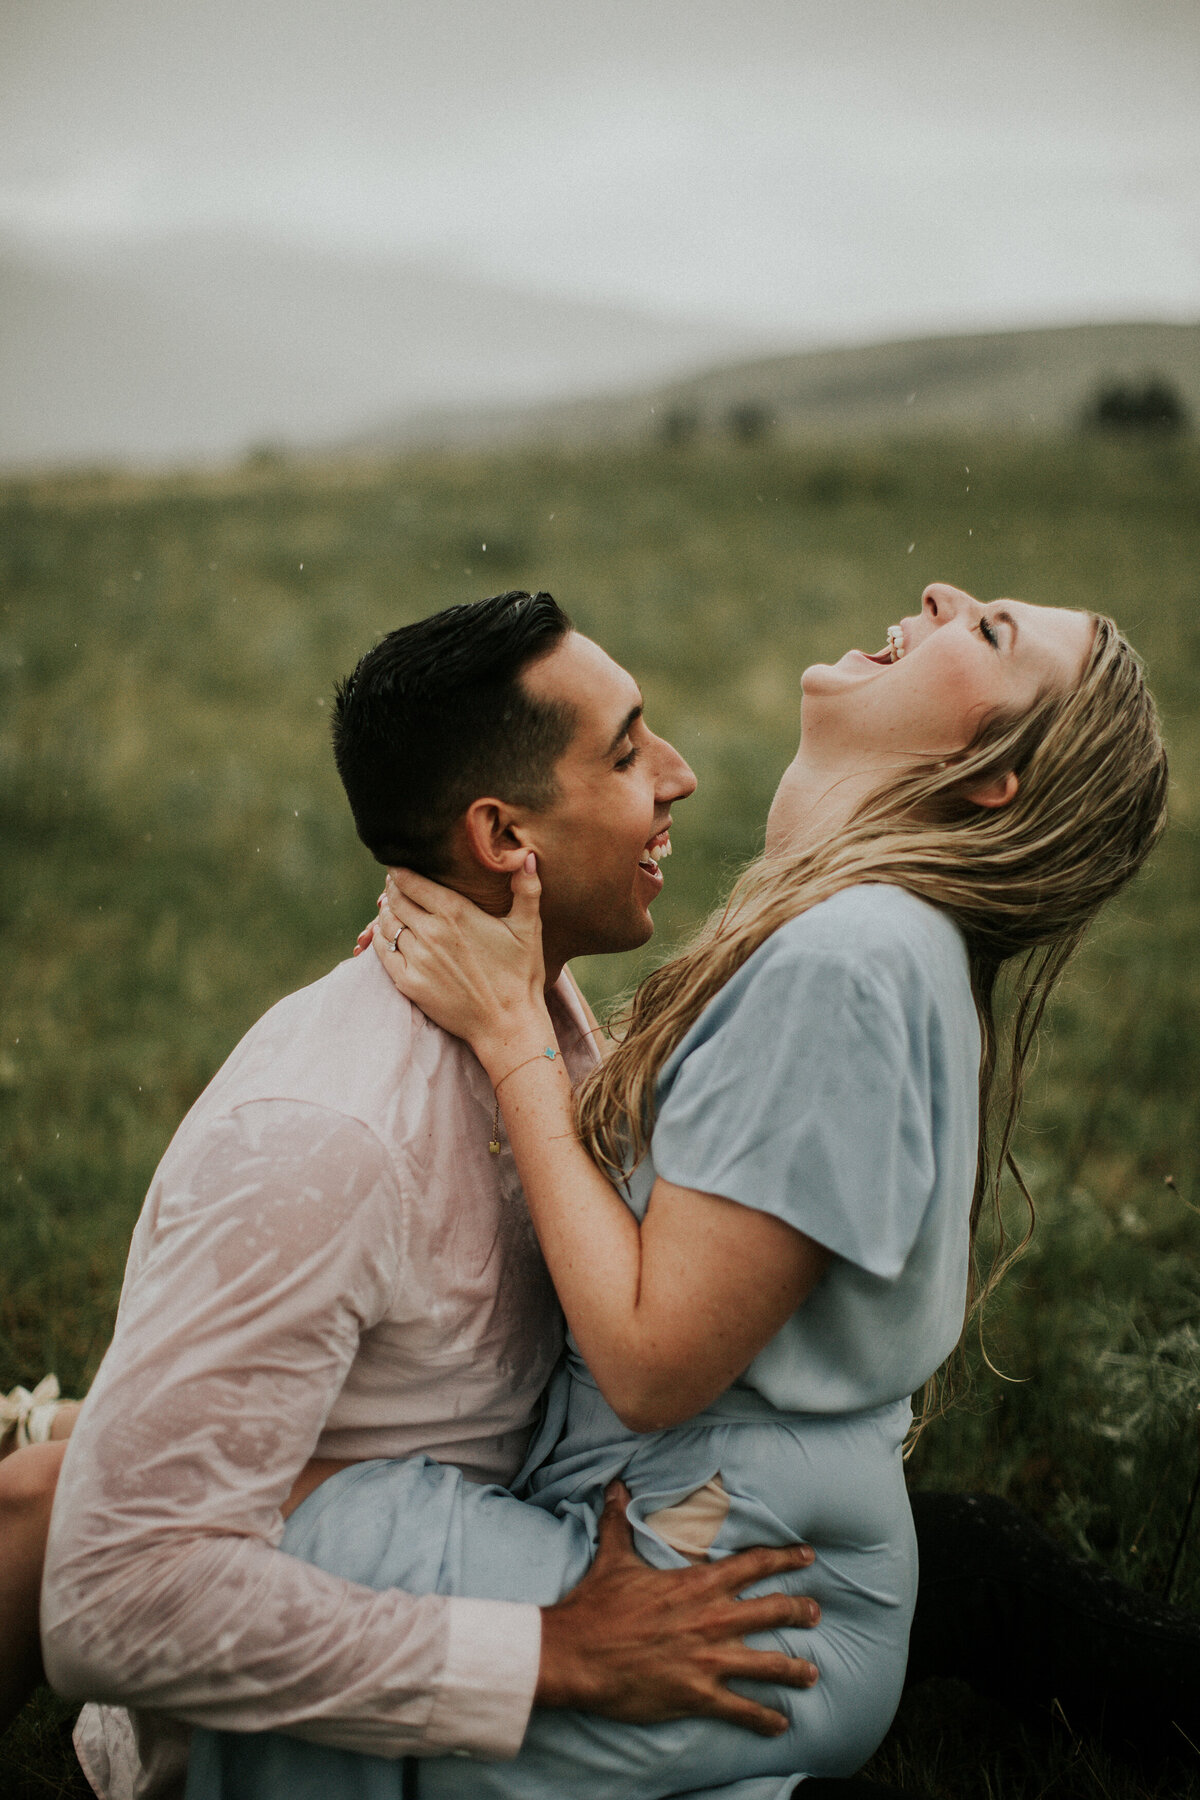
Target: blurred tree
[[750, 421], [266, 455], [679, 426], [1153, 404]]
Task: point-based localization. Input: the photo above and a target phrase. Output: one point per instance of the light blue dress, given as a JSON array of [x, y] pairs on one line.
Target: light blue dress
[[832, 1083]]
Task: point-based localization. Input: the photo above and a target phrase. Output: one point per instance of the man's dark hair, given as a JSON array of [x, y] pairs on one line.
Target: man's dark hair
[[436, 716]]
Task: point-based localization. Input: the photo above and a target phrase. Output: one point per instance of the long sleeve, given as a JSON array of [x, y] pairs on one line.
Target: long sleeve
[[272, 1239]]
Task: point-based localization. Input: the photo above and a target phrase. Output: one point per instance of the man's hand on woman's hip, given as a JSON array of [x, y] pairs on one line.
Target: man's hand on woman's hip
[[644, 1644]]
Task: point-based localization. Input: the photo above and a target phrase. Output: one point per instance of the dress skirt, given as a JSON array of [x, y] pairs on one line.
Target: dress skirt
[[835, 1482]]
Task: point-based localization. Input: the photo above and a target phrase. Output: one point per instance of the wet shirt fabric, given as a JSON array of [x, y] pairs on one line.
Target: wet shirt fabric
[[833, 1083], [329, 1262]]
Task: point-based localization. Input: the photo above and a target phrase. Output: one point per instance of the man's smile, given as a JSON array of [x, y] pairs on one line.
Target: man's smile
[[656, 850]]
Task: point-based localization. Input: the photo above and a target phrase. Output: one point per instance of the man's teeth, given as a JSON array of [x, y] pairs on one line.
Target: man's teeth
[[656, 850]]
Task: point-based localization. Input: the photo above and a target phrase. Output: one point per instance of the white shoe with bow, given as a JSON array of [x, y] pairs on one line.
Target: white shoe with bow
[[29, 1417]]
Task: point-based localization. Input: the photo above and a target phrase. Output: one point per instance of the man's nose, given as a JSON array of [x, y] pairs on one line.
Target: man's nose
[[675, 778]]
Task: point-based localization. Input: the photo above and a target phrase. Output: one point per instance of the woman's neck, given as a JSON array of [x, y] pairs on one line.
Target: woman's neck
[[814, 801]]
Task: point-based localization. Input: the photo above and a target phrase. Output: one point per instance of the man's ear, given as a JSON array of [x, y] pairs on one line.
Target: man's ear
[[495, 836], [1000, 791]]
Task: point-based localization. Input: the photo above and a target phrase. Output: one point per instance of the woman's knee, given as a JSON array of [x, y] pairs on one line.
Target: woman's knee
[[28, 1479]]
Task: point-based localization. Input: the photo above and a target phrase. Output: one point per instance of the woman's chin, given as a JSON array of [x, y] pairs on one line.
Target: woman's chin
[[850, 670], [823, 679]]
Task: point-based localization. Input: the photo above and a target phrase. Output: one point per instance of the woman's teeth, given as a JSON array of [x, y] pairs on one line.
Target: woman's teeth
[[895, 642]]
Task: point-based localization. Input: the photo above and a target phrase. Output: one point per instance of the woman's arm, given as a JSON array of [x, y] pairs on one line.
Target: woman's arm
[[666, 1314]]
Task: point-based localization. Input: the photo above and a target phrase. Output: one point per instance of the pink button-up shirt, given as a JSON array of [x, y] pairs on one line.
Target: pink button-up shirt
[[329, 1262]]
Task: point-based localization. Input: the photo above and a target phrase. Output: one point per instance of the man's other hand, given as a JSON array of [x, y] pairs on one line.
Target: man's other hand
[[645, 1644]]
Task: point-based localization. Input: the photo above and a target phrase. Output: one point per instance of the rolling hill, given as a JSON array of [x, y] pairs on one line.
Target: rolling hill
[[202, 348], [1013, 381]]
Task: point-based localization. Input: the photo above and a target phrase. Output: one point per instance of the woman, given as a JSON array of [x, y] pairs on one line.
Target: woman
[[798, 1163]]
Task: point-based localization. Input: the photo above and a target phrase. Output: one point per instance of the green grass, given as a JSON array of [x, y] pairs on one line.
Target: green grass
[[177, 855]]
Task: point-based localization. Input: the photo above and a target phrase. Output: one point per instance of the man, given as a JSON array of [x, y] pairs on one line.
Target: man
[[334, 1263]]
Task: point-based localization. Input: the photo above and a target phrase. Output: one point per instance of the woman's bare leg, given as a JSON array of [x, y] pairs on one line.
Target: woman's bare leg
[[28, 1478], [27, 1481]]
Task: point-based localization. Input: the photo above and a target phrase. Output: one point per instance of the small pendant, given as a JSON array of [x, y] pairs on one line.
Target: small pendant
[[494, 1146]]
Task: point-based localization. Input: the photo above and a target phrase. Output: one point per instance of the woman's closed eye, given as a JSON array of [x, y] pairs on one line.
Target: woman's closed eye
[[988, 631]]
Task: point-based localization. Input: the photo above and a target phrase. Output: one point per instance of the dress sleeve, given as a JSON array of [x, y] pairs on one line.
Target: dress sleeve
[[803, 1091], [268, 1246]]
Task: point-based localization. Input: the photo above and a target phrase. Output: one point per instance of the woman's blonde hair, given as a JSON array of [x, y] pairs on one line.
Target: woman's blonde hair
[[1022, 883]]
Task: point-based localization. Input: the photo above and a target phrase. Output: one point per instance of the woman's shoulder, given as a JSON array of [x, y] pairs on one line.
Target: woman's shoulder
[[867, 974], [870, 915], [879, 935]]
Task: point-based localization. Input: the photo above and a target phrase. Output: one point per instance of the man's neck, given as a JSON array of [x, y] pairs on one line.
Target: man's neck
[[492, 894]]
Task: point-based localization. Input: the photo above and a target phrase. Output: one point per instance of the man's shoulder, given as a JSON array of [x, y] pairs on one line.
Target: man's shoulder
[[313, 1101], [356, 990], [343, 1043]]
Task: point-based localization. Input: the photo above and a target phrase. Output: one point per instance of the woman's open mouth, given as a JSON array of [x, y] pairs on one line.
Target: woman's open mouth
[[892, 651]]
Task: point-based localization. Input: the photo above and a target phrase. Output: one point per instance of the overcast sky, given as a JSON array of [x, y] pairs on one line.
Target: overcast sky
[[811, 171]]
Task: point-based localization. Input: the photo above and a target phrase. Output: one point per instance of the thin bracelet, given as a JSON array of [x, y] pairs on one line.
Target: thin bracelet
[[494, 1141], [549, 1053]]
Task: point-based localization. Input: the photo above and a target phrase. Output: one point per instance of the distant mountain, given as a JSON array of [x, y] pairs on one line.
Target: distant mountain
[[1026, 381], [186, 348]]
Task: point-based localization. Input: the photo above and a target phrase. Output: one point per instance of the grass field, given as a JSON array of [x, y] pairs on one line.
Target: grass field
[[177, 855]]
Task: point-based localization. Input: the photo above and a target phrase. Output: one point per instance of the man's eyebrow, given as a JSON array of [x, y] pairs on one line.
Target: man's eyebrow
[[634, 713]]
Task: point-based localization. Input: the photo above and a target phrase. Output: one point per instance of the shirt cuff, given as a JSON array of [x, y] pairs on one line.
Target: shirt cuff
[[486, 1693]]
